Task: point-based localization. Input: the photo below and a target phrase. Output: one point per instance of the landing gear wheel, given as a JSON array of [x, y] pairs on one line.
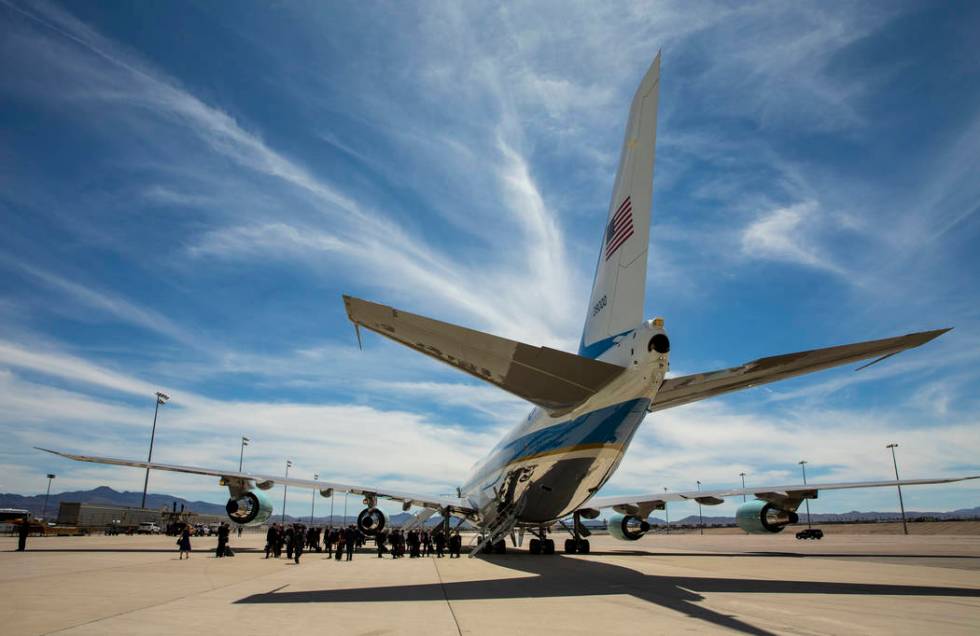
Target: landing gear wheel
[[534, 547], [548, 546], [583, 546], [570, 547], [500, 547]]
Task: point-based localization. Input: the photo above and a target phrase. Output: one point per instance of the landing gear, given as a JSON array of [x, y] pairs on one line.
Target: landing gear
[[541, 546], [500, 547], [577, 546]]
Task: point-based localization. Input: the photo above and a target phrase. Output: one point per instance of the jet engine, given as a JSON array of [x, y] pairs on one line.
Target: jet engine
[[250, 508], [371, 521], [627, 527], [761, 517]]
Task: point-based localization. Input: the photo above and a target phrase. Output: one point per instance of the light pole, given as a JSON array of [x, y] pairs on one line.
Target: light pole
[[666, 512], [316, 476], [742, 475], [285, 487], [806, 501], [44, 513], [700, 516], [241, 455], [161, 399], [901, 504]]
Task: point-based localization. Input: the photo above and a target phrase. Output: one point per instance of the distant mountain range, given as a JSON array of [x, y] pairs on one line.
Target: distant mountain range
[[107, 496]]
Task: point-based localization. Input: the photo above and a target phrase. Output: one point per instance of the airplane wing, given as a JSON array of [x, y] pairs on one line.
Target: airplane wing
[[264, 482], [786, 497], [691, 388], [554, 380]]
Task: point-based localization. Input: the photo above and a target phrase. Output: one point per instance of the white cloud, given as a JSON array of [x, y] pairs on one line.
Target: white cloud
[[784, 234]]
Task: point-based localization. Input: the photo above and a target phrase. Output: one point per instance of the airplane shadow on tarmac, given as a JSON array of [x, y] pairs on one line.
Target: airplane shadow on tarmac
[[561, 576]]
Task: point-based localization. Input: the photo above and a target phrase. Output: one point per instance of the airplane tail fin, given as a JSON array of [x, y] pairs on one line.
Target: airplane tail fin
[[616, 304]]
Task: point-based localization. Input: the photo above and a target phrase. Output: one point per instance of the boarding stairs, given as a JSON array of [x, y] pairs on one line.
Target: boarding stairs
[[503, 524]]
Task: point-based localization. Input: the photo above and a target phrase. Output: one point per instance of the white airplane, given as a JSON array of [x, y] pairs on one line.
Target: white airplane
[[587, 406]]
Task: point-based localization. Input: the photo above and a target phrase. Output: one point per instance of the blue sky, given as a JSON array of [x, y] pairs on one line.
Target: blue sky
[[186, 190]]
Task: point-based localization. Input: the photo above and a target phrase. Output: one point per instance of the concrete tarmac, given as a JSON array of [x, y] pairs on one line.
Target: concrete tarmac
[[661, 584]]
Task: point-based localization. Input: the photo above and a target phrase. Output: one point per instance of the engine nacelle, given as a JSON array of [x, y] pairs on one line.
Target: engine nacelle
[[250, 508], [627, 527], [371, 521], [761, 517]]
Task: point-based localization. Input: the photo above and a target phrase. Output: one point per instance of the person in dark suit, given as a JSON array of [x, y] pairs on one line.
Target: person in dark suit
[[440, 541], [223, 532], [350, 538], [22, 531], [298, 543], [379, 540], [290, 538], [271, 537], [455, 544], [413, 544]]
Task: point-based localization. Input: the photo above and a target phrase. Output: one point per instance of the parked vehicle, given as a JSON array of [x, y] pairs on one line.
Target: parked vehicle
[[810, 533], [148, 527]]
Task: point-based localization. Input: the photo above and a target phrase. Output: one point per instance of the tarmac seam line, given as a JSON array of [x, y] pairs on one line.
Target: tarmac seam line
[[442, 586]]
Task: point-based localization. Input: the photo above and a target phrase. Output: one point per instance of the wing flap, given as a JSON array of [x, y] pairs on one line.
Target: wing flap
[[691, 388], [552, 379]]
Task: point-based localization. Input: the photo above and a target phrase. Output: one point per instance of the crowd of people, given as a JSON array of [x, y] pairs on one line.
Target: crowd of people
[[342, 542], [296, 538], [419, 543]]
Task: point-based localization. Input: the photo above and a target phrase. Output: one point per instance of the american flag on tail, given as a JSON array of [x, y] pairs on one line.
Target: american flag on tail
[[620, 228]]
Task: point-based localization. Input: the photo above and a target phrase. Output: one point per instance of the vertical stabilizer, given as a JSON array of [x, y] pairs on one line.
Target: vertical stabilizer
[[620, 277]]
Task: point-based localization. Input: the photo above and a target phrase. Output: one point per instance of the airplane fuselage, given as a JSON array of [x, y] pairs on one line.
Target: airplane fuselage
[[550, 465]]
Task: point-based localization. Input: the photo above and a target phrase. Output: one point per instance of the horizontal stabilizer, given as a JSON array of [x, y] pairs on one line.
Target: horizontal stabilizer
[[691, 388], [552, 379]]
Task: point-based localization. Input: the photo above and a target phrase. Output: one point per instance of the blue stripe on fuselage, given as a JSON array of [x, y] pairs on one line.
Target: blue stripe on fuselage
[[612, 425]]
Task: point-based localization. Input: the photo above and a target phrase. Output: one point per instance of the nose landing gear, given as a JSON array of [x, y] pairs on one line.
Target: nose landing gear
[[577, 544]]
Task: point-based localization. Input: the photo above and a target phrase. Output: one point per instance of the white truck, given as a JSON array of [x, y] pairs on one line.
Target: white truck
[[148, 527]]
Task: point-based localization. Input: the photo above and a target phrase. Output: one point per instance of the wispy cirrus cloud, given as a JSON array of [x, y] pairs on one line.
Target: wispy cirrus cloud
[[457, 165], [782, 235]]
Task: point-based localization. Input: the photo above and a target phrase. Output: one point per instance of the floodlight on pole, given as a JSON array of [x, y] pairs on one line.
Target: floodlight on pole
[[161, 399], [742, 475], [901, 504], [806, 501], [241, 455], [316, 476], [44, 513], [285, 487], [700, 515]]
